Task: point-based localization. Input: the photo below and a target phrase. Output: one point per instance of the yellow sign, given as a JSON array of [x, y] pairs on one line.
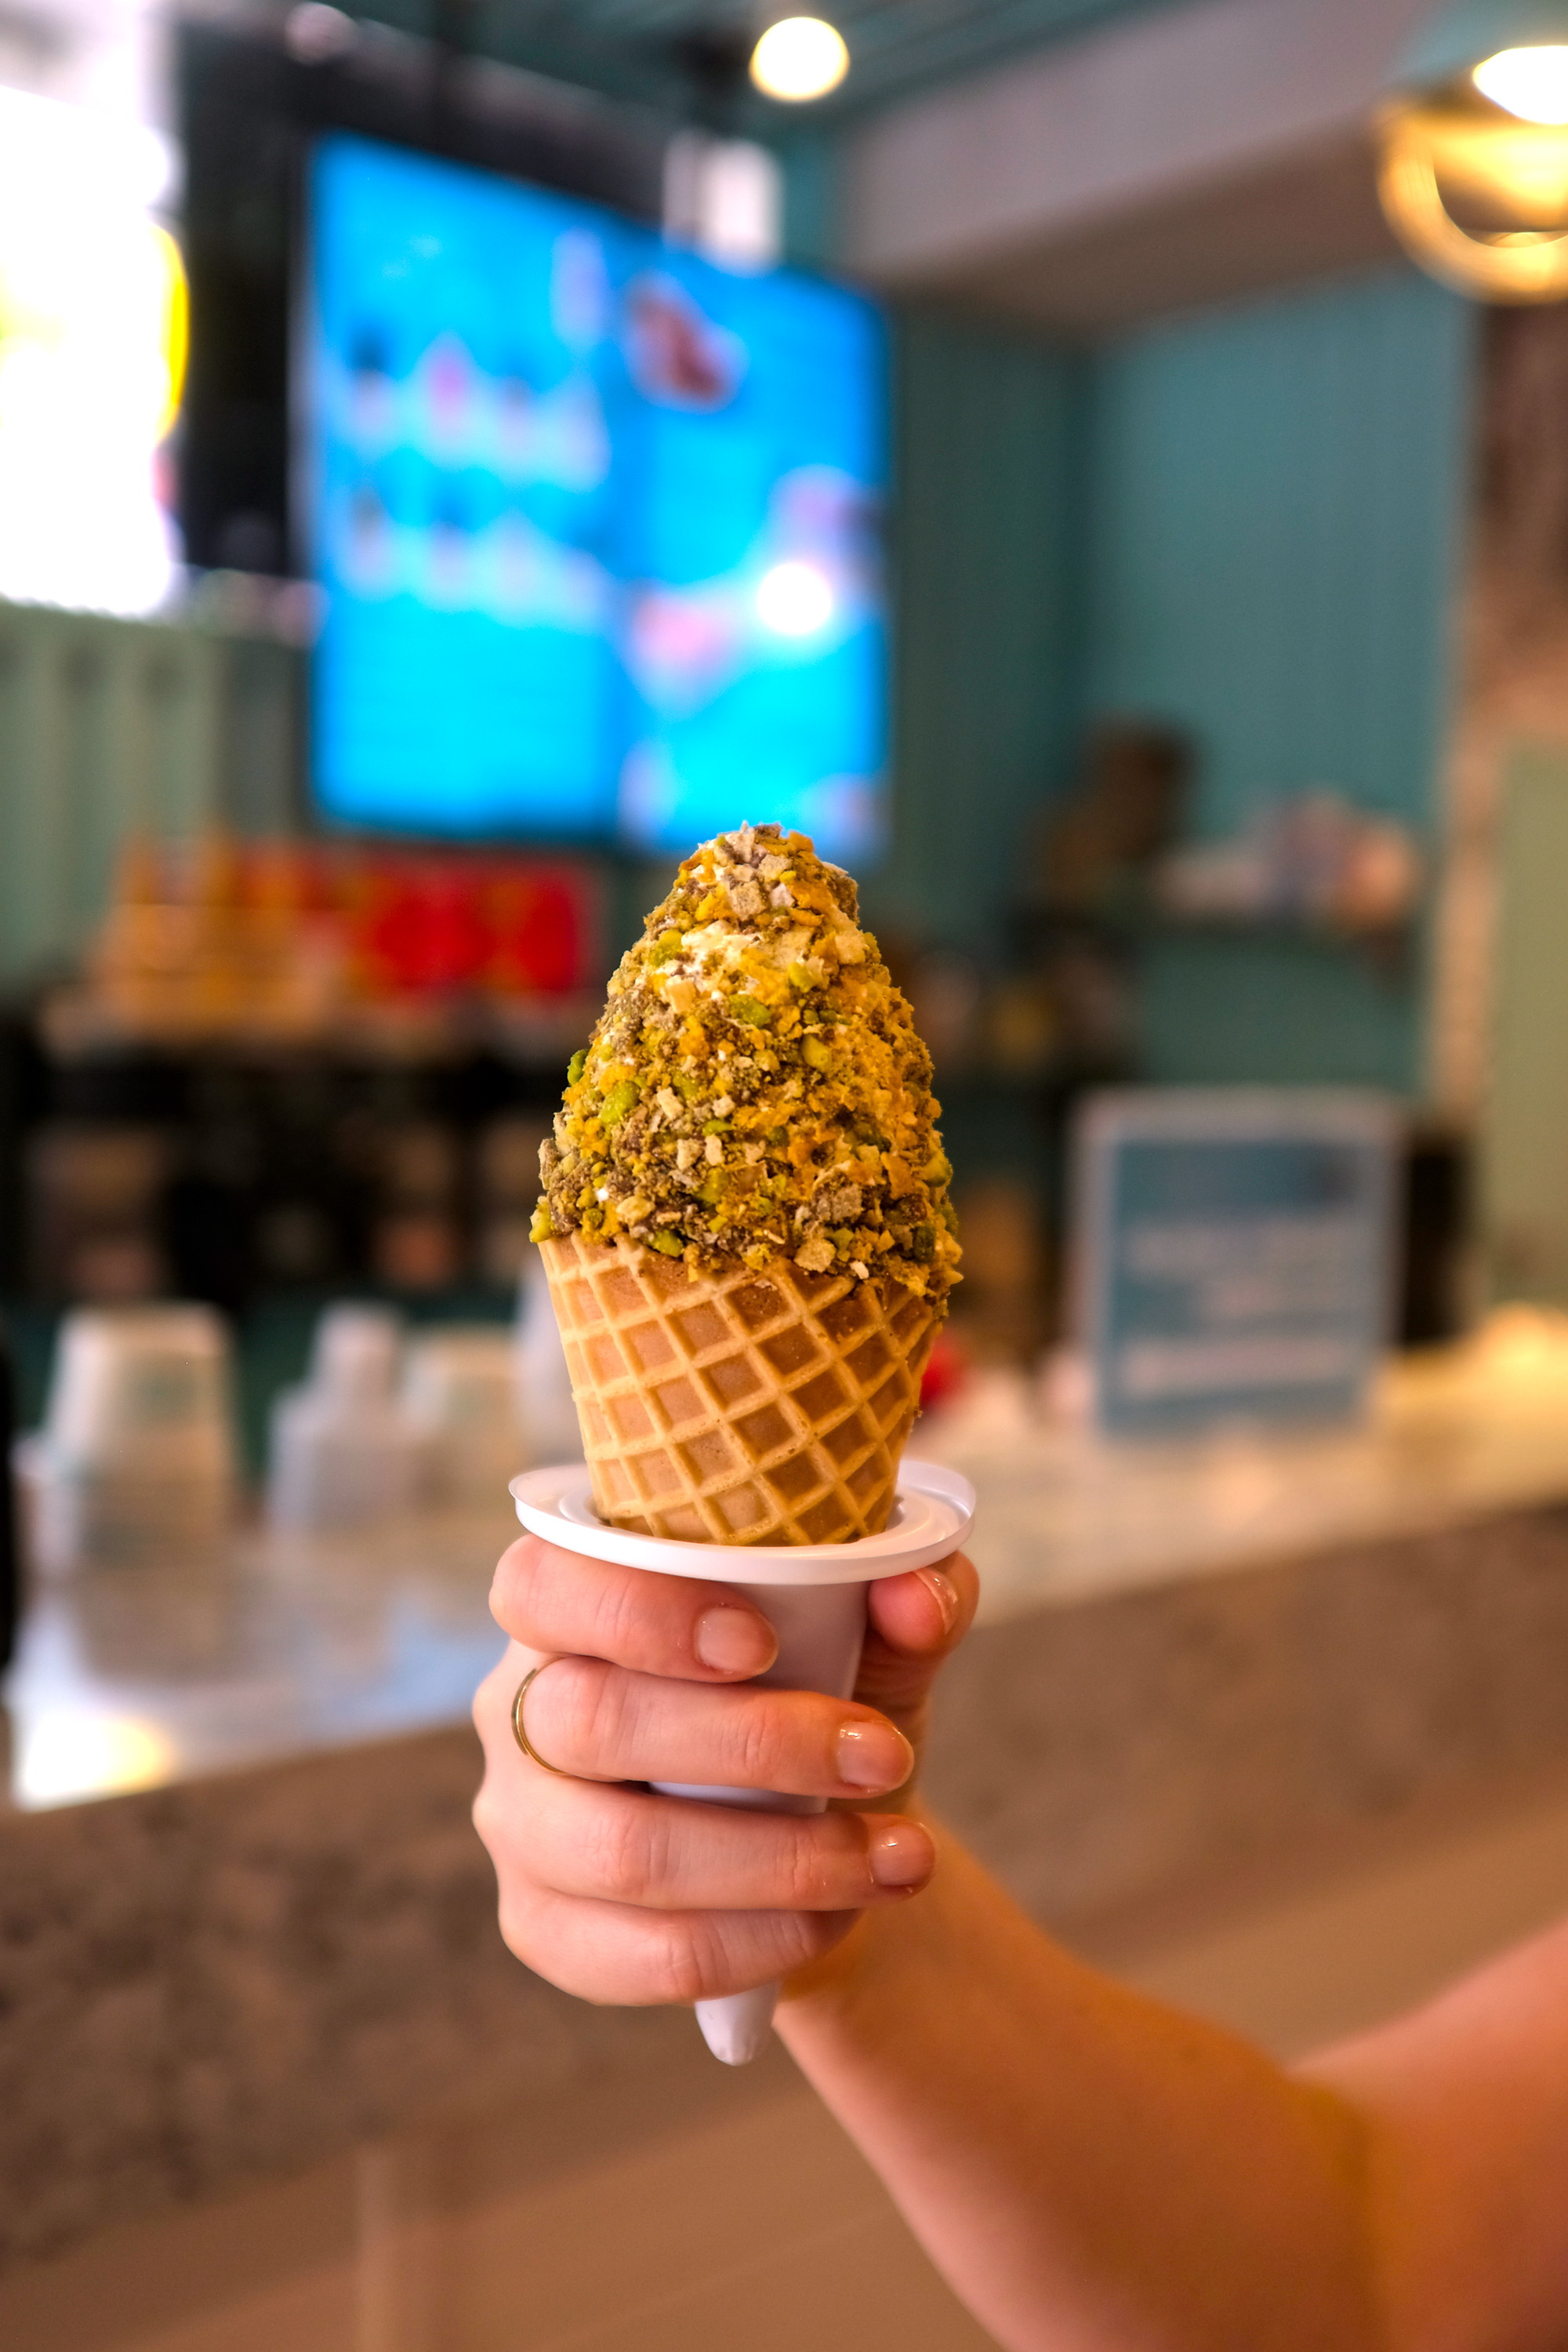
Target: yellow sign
[[93, 337]]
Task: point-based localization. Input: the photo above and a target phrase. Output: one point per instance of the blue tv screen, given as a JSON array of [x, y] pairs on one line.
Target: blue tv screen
[[596, 522]]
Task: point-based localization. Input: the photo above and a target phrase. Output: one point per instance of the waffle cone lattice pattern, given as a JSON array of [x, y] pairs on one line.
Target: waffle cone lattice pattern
[[740, 1409]]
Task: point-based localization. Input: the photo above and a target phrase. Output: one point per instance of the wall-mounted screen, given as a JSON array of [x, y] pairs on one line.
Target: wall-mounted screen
[[595, 522]]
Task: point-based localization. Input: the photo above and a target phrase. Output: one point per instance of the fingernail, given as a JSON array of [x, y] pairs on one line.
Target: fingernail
[[945, 1592], [734, 1641], [872, 1756], [901, 1854]]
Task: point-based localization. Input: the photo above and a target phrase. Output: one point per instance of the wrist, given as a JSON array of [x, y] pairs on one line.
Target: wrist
[[830, 1984], [861, 1970]]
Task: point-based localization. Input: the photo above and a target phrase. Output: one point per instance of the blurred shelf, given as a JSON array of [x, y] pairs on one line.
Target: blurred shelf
[[75, 1026], [1389, 948]]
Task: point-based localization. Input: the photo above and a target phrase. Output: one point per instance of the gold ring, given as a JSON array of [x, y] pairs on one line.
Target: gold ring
[[520, 1735]]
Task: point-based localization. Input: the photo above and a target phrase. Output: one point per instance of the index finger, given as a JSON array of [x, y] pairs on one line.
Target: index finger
[[570, 1606]]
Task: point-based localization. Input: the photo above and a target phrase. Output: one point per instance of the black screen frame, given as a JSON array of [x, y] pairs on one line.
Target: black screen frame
[[249, 114]]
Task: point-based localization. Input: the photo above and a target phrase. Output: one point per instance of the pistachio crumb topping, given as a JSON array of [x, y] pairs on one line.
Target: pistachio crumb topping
[[755, 1089]]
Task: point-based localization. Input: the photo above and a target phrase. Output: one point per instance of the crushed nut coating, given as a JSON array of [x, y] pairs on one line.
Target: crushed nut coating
[[754, 1088]]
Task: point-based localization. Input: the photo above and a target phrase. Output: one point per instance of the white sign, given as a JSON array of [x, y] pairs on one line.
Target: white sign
[[1233, 1253]]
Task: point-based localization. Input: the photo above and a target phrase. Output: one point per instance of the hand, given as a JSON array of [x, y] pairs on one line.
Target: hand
[[620, 1895]]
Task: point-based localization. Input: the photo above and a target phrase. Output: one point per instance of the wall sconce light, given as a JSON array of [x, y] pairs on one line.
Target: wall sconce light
[[1473, 150]]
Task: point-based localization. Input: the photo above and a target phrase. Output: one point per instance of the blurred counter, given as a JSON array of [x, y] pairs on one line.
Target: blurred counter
[[136, 1677], [1454, 1435], [284, 1646], [244, 1923]]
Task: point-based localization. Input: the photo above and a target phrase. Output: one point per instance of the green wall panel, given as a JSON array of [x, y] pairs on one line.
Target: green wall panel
[[110, 728], [1276, 496]]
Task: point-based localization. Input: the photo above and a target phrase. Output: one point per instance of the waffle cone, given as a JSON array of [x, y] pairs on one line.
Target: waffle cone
[[739, 1408]]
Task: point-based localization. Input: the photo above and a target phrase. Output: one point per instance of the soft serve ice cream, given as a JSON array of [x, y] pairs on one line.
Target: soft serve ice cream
[[754, 1091]]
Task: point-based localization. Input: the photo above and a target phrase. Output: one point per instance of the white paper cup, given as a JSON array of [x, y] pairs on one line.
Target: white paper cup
[[815, 1597]]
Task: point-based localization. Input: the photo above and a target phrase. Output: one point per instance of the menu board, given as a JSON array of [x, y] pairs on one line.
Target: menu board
[[1233, 1255], [596, 522]]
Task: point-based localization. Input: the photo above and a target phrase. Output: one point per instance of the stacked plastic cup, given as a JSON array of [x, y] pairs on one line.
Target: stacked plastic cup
[[344, 1453], [461, 1394], [136, 1458]]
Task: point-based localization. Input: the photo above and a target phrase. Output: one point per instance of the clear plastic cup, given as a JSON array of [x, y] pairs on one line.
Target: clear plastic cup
[[461, 1392], [357, 1353], [136, 1458], [344, 1453], [142, 1386]]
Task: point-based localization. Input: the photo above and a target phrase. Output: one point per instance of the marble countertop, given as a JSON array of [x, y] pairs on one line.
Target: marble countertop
[[271, 1932], [137, 1678], [237, 1974]]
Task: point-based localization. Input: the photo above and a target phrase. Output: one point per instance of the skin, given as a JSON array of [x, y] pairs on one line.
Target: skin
[[1093, 2172]]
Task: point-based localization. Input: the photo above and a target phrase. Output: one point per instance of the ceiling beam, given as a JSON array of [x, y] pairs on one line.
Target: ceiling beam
[[1172, 160]]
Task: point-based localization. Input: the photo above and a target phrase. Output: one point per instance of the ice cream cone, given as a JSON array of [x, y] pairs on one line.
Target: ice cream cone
[[747, 1234], [742, 1407]]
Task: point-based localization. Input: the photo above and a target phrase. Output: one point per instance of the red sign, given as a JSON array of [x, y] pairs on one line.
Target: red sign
[[445, 926]]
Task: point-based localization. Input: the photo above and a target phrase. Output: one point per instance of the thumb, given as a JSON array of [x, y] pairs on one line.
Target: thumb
[[916, 1622]]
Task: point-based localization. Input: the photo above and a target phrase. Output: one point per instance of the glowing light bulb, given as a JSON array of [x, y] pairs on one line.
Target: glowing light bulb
[[799, 57], [1531, 83], [794, 599]]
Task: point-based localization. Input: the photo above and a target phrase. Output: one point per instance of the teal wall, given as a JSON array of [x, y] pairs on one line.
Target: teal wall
[[1275, 498], [984, 555], [1248, 525]]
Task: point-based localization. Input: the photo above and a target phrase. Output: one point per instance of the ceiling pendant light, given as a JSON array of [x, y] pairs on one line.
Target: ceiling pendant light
[[799, 57], [1473, 150]]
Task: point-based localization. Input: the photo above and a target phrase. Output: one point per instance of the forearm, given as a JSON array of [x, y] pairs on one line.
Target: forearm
[[1095, 2173], [1092, 2172]]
